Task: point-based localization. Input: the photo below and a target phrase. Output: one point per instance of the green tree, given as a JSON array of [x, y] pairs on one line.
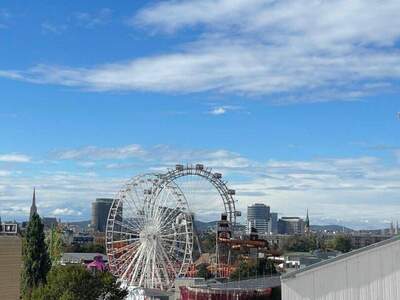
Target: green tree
[[301, 243], [89, 248], [340, 243], [54, 245], [36, 262], [252, 268], [74, 282], [203, 272], [246, 269]]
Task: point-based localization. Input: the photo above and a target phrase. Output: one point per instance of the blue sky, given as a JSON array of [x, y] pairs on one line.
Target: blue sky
[[294, 101]]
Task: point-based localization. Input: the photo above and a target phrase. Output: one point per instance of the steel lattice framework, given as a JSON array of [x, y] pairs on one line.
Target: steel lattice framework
[[149, 236], [215, 179]]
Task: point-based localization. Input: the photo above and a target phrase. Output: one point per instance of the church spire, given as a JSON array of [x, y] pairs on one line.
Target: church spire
[[307, 224], [33, 206]]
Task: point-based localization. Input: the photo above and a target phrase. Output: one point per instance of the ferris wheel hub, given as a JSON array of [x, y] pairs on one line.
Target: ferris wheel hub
[[149, 233]]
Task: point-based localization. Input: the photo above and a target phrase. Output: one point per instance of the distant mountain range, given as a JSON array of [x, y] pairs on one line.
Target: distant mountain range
[[200, 226], [336, 228], [81, 224], [204, 226]]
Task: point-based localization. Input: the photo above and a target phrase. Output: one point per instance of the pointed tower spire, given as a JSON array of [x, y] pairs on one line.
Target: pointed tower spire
[[307, 224], [391, 228], [33, 206]]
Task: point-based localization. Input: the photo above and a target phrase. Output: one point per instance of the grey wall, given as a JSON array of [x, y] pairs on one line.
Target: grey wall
[[373, 274]]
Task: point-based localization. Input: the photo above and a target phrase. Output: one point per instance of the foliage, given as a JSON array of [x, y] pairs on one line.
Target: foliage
[[207, 241], [54, 245], [340, 242], [203, 272], [76, 282], [249, 269], [302, 243], [36, 262], [88, 248]]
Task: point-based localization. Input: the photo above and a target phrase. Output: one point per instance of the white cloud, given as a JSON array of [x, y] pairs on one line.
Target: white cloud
[[91, 20], [48, 27], [295, 50], [221, 110], [350, 189], [66, 212], [96, 153], [218, 111], [19, 158], [5, 173]]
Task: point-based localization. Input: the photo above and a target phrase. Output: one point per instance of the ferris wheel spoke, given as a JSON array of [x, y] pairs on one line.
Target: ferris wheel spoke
[[143, 273], [157, 272], [139, 265], [123, 241], [125, 249], [134, 210], [135, 256], [135, 205], [163, 269], [127, 226], [173, 234], [151, 233], [165, 257], [174, 241], [124, 260], [165, 194]]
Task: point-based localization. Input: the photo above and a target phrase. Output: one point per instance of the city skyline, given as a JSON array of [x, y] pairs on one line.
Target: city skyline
[[96, 93]]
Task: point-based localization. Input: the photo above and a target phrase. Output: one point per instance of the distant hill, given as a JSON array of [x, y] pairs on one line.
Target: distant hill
[[204, 226], [81, 224], [336, 228]]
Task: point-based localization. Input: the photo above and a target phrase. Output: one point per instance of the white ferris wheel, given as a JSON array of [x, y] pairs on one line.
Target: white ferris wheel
[[149, 234]]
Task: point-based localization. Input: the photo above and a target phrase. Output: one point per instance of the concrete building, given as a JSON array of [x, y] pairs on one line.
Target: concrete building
[[49, 222], [80, 258], [273, 223], [100, 209], [258, 217], [363, 240], [291, 225], [10, 263], [370, 273]]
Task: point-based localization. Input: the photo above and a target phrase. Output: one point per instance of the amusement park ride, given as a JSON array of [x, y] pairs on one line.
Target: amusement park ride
[[150, 233]]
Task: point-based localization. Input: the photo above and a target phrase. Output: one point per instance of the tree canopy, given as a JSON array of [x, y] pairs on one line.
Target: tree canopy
[[252, 268], [54, 245], [302, 243], [36, 262], [203, 272], [76, 282], [341, 243]]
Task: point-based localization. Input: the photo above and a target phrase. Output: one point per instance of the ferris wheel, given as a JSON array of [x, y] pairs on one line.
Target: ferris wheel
[[201, 185], [149, 235]]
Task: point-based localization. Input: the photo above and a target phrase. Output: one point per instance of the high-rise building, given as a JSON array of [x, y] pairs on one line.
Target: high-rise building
[[291, 225], [33, 205], [273, 223], [100, 210], [258, 216]]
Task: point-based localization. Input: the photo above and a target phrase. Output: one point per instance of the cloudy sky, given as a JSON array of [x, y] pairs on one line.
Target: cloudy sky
[[295, 101]]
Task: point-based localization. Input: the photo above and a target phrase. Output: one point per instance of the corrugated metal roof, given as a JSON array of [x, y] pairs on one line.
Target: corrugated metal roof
[[247, 284], [81, 256], [340, 257]]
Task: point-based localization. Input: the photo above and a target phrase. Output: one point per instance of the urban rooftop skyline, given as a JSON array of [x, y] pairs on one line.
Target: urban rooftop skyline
[[295, 102]]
